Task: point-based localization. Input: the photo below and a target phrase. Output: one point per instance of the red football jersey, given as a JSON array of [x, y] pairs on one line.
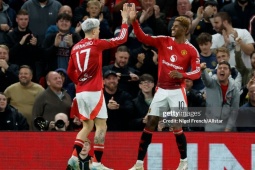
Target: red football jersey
[[85, 64], [171, 56]]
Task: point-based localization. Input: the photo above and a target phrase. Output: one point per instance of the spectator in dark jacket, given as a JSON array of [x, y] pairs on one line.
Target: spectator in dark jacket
[[246, 113], [128, 76], [145, 58], [241, 11], [118, 102], [8, 72], [58, 45], [142, 102], [151, 16], [24, 49], [10, 118], [81, 13]]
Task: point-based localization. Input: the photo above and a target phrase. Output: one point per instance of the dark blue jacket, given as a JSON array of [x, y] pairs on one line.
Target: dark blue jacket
[[11, 119]]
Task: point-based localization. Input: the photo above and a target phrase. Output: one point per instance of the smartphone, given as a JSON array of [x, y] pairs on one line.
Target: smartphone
[[28, 39]]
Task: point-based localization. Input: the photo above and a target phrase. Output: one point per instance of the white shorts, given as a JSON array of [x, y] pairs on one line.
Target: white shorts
[[165, 100], [91, 105]]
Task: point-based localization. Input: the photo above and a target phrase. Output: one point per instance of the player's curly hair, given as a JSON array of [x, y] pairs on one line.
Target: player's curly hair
[[184, 21]]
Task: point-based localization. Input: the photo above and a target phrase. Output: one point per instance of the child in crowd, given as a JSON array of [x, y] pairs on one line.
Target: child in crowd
[[204, 41], [84, 156], [94, 11]]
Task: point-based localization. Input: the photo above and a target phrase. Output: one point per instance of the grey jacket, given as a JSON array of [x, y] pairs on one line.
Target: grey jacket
[[40, 18], [215, 108]]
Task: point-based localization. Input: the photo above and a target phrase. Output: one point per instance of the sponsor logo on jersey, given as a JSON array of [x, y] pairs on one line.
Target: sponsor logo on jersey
[[172, 65], [184, 52], [173, 58]]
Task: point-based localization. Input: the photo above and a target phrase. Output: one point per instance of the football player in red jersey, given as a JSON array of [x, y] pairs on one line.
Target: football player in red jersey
[[85, 70], [175, 57]]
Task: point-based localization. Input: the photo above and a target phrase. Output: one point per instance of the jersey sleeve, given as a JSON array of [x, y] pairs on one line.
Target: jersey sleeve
[[71, 70], [144, 38], [114, 42], [195, 67]]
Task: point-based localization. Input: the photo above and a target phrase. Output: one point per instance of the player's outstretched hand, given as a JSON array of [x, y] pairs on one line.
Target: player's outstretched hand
[[132, 13], [125, 13]]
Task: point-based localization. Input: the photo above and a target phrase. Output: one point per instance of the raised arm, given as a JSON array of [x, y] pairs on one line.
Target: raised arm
[[144, 38], [207, 80], [123, 35]]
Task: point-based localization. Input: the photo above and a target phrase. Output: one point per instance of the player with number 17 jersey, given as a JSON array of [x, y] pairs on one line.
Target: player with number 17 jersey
[[85, 64]]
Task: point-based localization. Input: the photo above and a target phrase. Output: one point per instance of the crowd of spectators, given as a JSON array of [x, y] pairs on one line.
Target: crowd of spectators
[[36, 38]]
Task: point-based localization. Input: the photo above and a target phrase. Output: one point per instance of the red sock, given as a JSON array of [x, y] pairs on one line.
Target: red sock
[[78, 145]]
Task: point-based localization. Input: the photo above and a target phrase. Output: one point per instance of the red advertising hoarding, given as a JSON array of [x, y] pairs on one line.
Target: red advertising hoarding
[[51, 150]]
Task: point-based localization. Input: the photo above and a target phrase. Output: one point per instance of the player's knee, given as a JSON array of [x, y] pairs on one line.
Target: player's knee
[[152, 122]]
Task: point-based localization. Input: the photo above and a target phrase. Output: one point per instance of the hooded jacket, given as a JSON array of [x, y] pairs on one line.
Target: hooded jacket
[[40, 18]]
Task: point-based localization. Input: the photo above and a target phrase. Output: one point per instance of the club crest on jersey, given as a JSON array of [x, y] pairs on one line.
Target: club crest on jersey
[[184, 52], [173, 58]]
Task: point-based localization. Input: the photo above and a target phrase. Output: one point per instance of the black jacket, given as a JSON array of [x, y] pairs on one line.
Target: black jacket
[[240, 18], [148, 67], [22, 54], [129, 86], [140, 110], [51, 51], [119, 119], [11, 119], [9, 77]]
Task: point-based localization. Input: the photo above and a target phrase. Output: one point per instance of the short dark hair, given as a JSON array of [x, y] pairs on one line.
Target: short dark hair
[[211, 2], [224, 16], [226, 63], [64, 16], [26, 66], [22, 12], [204, 37], [146, 77], [123, 48]]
